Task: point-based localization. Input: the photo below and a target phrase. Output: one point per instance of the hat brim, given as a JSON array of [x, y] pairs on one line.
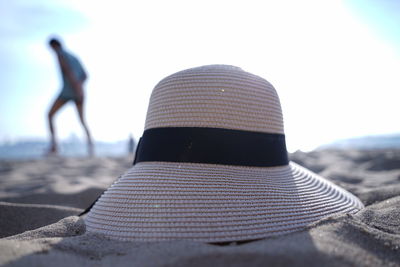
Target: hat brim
[[214, 203]]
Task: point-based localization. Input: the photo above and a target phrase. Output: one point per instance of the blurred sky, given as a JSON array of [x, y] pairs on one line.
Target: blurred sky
[[335, 64]]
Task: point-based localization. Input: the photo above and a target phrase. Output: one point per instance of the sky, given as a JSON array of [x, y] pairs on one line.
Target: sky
[[334, 64]]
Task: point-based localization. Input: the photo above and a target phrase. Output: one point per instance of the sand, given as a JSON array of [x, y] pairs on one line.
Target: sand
[[40, 200]]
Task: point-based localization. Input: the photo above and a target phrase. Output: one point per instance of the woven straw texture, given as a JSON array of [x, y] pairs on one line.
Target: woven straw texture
[[216, 96], [214, 203], [210, 202]]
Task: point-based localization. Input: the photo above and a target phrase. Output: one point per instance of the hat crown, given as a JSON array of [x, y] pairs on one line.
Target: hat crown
[[215, 96]]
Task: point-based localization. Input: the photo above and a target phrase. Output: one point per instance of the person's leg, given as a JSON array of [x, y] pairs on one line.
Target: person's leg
[[53, 110], [79, 107]]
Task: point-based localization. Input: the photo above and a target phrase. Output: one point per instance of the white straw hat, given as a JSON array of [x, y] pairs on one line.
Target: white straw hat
[[212, 166]]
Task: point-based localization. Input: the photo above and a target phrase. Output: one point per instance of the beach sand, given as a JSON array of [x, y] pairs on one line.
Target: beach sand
[[40, 201]]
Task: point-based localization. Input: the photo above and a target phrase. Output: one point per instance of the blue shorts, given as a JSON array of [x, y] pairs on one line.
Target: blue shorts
[[68, 94]]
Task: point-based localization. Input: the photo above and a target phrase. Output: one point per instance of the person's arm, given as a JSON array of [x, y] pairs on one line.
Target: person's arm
[[75, 83]]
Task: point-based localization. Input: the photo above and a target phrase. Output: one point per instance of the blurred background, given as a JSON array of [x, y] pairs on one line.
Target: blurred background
[[335, 65]]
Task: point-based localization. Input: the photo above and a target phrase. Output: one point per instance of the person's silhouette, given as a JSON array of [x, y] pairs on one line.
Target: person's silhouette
[[73, 76], [131, 144]]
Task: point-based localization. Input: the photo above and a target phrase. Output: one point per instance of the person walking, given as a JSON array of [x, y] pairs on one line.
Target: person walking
[[73, 77]]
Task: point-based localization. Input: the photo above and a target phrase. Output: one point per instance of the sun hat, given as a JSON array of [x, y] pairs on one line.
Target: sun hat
[[212, 166]]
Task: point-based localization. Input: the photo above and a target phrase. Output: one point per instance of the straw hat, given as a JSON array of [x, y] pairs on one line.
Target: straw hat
[[212, 166]]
